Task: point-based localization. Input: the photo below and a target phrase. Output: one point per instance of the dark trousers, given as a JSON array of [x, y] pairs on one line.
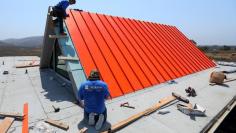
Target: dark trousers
[[60, 14], [86, 116]]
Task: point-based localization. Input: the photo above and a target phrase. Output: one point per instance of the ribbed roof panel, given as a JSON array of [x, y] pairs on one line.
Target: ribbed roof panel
[[131, 54]]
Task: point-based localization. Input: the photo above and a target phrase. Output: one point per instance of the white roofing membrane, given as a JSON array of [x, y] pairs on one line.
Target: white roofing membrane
[[42, 89]]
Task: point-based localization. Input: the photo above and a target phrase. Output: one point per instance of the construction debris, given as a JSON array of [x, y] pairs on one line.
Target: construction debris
[[56, 109], [172, 82], [148, 111], [57, 36], [42, 127], [5, 72], [13, 115], [68, 58], [163, 111], [226, 81], [188, 109], [126, 104], [57, 124], [30, 65], [83, 130], [191, 92], [6, 124], [230, 71]]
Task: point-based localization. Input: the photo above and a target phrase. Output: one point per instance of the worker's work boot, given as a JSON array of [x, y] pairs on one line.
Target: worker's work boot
[[99, 122], [91, 119]]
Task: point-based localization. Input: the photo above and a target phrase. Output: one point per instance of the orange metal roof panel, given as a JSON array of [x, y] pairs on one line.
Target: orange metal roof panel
[[131, 54]]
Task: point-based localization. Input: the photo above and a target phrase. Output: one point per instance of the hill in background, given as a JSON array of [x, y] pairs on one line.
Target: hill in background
[[30, 46]]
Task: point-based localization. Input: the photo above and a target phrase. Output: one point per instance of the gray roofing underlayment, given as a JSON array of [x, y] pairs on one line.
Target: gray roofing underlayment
[[44, 88]]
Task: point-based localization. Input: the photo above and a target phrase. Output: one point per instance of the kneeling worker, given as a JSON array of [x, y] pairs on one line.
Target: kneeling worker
[[93, 93]]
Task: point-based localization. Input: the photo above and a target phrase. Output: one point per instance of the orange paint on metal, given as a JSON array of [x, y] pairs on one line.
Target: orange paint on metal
[[158, 54], [124, 50], [125, 63], [164, 45], [25, 126], [188, 53], [131, 54], [150, 52], [202, 57], [187, 63], [163, 54]]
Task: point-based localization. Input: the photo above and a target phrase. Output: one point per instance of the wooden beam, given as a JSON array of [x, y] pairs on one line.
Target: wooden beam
[[137, 116], [57, 36], [25, 126], [25, 66], [6, 124], [67, 58], [83, 130], [13, 115], [57, 124], [229, 80]]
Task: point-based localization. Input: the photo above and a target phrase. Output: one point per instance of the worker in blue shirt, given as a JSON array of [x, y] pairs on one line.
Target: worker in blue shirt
[[59, 11], [92, 95]]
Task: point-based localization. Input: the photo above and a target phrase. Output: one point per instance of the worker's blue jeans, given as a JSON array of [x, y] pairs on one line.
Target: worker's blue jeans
[[59, 13], [86, 116]]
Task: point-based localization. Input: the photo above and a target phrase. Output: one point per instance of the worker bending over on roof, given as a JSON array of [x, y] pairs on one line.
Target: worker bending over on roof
[[59, 11], [93, 93]]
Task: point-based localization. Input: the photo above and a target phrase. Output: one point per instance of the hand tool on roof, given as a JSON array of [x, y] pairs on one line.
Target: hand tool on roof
[[56, 109], [5, 72], [126, 104], [148, 111], [26, 71]]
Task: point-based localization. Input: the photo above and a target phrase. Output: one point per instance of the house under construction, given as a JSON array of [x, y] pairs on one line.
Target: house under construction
[[142, 62]]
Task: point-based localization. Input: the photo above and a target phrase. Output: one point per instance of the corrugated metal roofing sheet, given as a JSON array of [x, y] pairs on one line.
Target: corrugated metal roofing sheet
[[132, 54]]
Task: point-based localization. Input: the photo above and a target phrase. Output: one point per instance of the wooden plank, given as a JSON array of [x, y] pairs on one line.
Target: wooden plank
[[229, 80], [25, 126], [68, 58], [24, 66], [6, 124], [137, 116], [14, 115], [57, 36], [83, 130], [58, 124]]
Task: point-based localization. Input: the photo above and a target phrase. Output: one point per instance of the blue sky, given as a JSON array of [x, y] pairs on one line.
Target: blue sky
[[208, 22]]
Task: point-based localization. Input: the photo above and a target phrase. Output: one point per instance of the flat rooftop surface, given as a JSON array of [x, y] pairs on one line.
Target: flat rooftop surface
[[43, 88]]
